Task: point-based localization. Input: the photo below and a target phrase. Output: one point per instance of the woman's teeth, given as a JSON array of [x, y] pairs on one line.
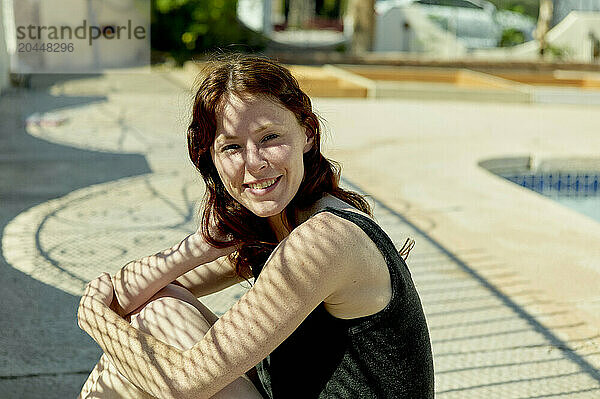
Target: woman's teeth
[[264, 184]]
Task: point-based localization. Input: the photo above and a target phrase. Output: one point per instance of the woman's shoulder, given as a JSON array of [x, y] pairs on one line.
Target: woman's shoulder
[[363, 233], [324, 218], [365, 287]]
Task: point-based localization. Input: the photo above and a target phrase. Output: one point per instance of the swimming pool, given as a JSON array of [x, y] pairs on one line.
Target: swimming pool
[[578, 190], [589, 206]]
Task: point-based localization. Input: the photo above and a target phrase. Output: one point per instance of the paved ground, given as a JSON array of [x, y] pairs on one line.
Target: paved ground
[[112, 183]]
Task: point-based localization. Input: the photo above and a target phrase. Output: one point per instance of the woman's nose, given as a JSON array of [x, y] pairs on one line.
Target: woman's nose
[[254, 159]]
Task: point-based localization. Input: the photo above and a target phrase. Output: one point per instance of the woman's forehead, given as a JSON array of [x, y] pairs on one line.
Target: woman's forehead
[[247, 114]]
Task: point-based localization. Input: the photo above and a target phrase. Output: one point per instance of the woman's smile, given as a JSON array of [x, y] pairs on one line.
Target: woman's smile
[[262, 187]]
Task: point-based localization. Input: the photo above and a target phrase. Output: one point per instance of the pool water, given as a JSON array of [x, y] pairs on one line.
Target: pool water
[[579, 191], [589, 206]]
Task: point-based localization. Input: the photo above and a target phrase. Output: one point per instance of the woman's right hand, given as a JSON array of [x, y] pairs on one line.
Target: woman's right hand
[[139, 280]]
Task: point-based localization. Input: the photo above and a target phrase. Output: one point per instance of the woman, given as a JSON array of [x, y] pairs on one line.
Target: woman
[[333, 311]]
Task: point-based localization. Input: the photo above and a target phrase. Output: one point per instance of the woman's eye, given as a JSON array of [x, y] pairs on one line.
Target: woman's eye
[[230, 148], [270, 136]]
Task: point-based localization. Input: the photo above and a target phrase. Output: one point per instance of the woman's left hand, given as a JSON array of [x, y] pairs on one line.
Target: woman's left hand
[[97, 292]]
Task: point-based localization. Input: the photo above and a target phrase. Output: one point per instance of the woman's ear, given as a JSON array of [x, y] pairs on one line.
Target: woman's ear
[[309, 141]]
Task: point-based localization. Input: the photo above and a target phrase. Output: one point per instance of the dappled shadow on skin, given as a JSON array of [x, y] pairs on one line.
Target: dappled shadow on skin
[[173, 320], [239, 339], [147, 272], [260, 321], [105, 381], [287, 278]]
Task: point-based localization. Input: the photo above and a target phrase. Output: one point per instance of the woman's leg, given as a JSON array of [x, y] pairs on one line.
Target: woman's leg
[[175, 317]]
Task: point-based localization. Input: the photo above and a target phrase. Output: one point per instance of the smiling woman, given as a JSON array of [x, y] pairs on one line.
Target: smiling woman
[[333, 311]]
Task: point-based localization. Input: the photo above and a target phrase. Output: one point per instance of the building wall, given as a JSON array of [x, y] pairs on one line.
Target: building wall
[[4, 61], [562, 8], [82, 56], [578, 35]]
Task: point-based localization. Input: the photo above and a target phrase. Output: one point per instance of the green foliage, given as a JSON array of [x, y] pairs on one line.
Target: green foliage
[[559, 53], [187, 27], [330, 9], [511, 37], [341, 48], [520, 8], [526, 7]]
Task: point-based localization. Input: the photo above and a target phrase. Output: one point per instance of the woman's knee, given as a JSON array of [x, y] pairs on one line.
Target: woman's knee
[[177, 318], [174, 316]]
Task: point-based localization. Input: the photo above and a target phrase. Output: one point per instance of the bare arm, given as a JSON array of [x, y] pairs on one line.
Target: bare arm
[[210, 277], [304, 270], [138, 280]]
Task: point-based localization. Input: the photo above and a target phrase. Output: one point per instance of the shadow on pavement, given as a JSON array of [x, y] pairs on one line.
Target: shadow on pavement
[[42, 351]]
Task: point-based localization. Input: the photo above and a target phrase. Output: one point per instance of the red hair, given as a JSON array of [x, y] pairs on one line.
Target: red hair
[[251, 75]]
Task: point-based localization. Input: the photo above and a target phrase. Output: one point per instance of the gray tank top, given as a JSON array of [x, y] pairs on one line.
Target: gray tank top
[[384, 355]]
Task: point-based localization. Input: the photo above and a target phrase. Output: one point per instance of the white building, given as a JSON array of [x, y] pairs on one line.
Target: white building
[[84, 35], [576, 38], [260, 15], [405, 27], [562, 8]]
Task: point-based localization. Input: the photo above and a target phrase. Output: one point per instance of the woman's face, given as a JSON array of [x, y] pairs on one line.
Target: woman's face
[[258, 151]]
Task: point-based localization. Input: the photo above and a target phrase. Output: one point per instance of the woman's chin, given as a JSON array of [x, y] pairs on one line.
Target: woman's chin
[[266, 211], [266, 214]]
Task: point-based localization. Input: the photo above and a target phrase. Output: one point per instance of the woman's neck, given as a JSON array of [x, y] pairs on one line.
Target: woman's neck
[[277, 224]]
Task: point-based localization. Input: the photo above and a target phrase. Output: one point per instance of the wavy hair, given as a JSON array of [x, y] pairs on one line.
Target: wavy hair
[[251, 75]]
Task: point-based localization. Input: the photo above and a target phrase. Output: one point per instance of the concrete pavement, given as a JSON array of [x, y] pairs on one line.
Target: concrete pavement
[[42, 352], [510, 289]]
